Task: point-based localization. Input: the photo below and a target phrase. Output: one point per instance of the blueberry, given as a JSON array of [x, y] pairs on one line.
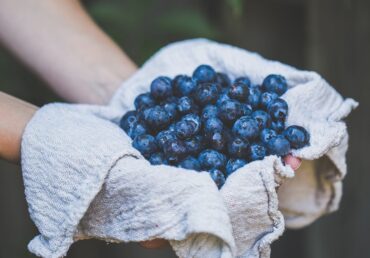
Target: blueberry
[[137, 130], [246, 109], [164, 136], [297, 136], [206, 93], [275, 83], [224, 95], [174, 150], [190, 163], [278, 126], [208, 112], [211, 159], [238, 148], [233, 164], [267, 134], [204, 73], [278, 109], [246, 128], [278, 146], [254, 97], [257, 151], [244, 79], [218, 177], [144, 100], [193, 119], [266, 99], [212, 125], [263, 119], [156, 118], [145, 144], [186, 105], [128, 121], [217, 141], [239, 91], [172, 127], [185, 129], [171, 109], [230, 110], [183, 85], [223, 80], [161, 88], [194, 145], [157, 159]]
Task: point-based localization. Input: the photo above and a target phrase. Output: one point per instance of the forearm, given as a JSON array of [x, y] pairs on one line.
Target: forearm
[[14, 116], [65, 47]]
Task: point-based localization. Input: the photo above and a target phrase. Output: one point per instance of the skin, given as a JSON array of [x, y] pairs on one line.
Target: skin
[[71, 53]]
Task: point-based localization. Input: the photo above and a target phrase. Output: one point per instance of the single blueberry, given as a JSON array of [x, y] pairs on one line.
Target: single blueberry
[[156, 118], [161, 88], [266, 99], [223, 80], [238, 147], [217, 141], [194, 145], [128, 121], [254, 97], [263, 119], [246, 128], [239, 91], [190, 163], [165, 136], [145, 144], [174, 150], [297, 136], [193, 119], [224, 95], [233, 164], [206, 93], [218, 177], [267, 134], [172, 127], [183, 85], [229, 111], [278, 145], [157, 159], [246, 109], [278, 109], [208, 112], [257, 152], [144, 100], [186, 105], [211, 159], [185, 129], [171, 109], [212, 125], [204, 73], [136, 130], [275, 83], [278, 126], [244, 79]]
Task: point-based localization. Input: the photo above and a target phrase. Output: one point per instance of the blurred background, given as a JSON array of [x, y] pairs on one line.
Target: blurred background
[[331, 37]]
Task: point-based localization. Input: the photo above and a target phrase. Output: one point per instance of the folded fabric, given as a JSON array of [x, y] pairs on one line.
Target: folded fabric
[[84, 180]]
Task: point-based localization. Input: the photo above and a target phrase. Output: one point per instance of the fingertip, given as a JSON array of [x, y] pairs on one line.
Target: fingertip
[[292, 161]]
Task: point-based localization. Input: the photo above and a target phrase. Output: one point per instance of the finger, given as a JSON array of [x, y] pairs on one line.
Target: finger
[[292, 161], [153, 244]]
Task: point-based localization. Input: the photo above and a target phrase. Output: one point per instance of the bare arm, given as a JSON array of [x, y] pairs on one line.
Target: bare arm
[[61, 43]]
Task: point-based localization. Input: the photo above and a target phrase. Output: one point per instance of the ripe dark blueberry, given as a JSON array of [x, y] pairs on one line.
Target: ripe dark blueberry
[[136, 130], [223, 80], [246, 109], [297, 136], [278, 126], [156, 118], [244, 79], [229, 111], [254, 97], [239, 91], [128, 121], [267, 134], [266, 99], [143, 101], [211, 159], [263, 119], [212, 125], [190, 163], [145, 144], [208, 112], [165, 136], [246, 128], [172, 127], [157, 159], [186, 105], [174, 150], [194, 145], [218, 177], [183, 85], [204, 73], [161, 88], [278, 146], [257, 152], [278, 109], [193, 119], [233, 164], [185, 129], [224, 95], [206, 93], [217, 141], [238, 148], [275, 83], [171, 109]]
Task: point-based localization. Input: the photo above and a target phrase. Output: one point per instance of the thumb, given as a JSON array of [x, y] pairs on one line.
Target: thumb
[[292, 161]]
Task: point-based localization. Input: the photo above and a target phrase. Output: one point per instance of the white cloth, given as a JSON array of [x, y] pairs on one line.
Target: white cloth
[[84, 180]]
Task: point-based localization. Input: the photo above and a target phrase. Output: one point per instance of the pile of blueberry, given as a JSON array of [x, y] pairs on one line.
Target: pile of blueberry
[[208, 123]]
